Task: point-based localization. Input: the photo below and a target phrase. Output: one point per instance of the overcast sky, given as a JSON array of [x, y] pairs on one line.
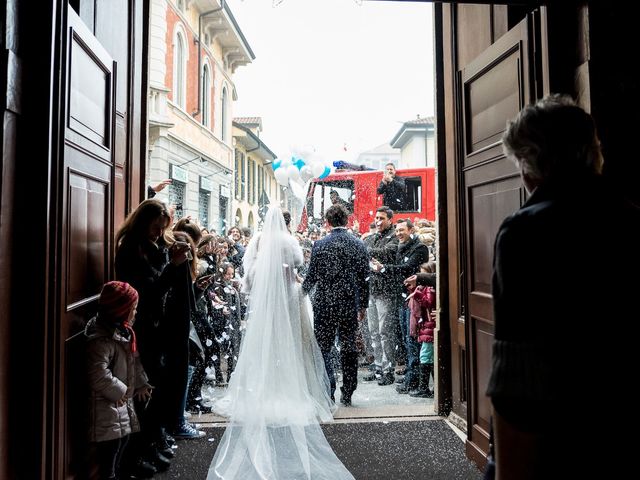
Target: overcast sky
[[330, 73]]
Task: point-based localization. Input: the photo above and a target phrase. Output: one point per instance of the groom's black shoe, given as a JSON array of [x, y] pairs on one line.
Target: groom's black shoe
[[345, 398]]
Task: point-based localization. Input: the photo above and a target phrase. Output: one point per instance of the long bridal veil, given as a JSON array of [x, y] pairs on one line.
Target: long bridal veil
[[279, 390]]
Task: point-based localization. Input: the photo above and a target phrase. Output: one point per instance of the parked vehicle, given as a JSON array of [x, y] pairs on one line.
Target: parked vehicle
[[357, 190]]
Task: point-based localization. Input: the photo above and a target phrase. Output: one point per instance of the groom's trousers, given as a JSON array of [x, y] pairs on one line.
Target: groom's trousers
[[343, 322]]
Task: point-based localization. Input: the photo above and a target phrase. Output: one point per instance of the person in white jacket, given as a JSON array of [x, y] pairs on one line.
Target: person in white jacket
[[115, 375]]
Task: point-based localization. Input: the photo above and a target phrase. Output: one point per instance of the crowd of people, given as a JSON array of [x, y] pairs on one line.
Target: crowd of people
[[173, 320], [189, 314]]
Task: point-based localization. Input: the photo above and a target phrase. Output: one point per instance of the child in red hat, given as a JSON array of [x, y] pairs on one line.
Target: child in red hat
[[115, 375]]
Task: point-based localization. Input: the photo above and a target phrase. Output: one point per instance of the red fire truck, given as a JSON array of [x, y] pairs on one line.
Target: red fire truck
[[357, 190]]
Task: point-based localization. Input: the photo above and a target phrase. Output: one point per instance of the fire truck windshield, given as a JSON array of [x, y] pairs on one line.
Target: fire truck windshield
[[326, 194]]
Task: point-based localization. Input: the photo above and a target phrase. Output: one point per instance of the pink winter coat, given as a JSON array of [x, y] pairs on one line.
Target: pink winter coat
[[421, 303]]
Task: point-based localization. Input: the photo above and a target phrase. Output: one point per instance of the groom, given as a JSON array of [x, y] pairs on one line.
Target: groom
[[339, 269]]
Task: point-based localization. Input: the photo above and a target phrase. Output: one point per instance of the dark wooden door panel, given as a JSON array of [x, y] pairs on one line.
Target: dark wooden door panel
[[86, 238], [488, 204], [112, 31], [492, 96], [86, 222], [493, 88], [88, 165], [90, 91]]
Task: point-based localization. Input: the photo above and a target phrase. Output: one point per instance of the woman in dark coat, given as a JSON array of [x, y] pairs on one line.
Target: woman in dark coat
[[148, 260]]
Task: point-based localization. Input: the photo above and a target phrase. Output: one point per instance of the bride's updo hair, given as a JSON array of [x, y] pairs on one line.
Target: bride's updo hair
[[287, 217]]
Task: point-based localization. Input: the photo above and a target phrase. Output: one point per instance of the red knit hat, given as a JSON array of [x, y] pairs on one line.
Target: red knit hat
[[116, 301]]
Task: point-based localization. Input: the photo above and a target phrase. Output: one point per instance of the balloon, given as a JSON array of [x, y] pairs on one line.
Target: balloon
[[276, 164], [306, 173], [317, 169], [285, 163], [282, 177], [293, 173], [299, 163], [299, 191], [325, 173]]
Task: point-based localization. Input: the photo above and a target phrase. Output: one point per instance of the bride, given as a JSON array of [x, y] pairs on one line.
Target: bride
[[279, 391]]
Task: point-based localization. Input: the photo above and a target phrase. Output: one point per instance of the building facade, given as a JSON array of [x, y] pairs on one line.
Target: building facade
[[255, 186], [194, 49], [379, 156], [416, 141]]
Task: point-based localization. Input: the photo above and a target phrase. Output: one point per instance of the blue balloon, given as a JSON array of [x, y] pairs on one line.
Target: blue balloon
[[326, 173], [299, 163], [276, 164]]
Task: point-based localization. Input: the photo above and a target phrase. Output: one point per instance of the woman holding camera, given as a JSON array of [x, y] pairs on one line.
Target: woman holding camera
[[149, 260]]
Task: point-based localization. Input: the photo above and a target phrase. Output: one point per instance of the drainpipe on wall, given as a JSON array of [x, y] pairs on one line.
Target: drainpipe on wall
[[200, 17], [253, 149]]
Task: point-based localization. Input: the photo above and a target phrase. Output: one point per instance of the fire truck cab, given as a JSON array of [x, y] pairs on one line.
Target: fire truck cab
[[357, 191]]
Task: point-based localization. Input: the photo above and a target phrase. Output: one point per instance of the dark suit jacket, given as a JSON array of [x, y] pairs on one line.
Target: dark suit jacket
[[394, 193], [339, 269]]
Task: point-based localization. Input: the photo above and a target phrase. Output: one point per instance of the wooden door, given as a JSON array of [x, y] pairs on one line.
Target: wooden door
[[86, 224], [491, 90]]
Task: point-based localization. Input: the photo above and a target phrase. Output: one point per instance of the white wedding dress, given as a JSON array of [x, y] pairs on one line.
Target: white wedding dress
[[279, 391]]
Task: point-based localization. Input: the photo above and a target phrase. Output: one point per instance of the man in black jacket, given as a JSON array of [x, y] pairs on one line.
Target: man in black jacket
[[410, 255], [339, 269], [382, 314], [393, 188]]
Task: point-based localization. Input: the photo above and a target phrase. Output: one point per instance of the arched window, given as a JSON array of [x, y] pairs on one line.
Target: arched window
[[180, 4], [206, 96], [179, 71], [223, 108]]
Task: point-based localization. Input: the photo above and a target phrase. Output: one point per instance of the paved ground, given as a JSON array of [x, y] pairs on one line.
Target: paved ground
[[371, 450], [369, 401], [383, 436]]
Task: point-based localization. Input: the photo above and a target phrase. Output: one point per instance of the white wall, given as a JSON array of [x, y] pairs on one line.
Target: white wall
[[431, 150], [418, 153], [413, 153]]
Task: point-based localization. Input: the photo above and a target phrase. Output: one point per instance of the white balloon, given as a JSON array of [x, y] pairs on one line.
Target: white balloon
[[317, 169], [293, 172], [306, 173], [282, 176], [300, 191]]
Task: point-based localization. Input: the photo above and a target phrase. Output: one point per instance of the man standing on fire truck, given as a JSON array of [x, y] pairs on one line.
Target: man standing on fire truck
[[393, 188]]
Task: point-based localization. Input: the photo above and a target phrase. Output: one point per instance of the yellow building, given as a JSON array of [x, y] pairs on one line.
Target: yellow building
[[255, 186]]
